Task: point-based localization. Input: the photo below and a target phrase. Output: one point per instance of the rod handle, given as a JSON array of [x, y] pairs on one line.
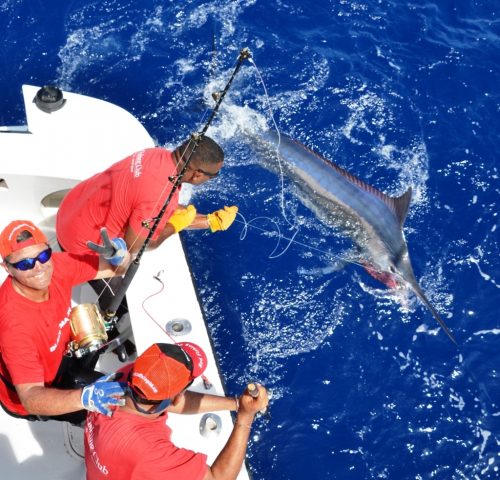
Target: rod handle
[[253, 390]]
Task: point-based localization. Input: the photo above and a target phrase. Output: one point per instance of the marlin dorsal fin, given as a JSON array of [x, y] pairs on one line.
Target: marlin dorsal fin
[[401, 204]]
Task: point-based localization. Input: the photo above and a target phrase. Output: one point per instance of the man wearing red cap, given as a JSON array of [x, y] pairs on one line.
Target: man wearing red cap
[[35, 330], [135, 442]]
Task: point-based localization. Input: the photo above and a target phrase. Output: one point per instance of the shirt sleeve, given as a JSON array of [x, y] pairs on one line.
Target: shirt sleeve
[[79, 268], [151, 190]]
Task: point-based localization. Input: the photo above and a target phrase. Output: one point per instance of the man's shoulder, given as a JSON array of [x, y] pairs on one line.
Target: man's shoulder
[[157, 155], [152, 166], [10, 299]]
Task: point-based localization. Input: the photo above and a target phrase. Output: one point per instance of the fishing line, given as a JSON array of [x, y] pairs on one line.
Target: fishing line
[[194, 139], [162, 287], [277, 151], [244, 55], [249, 224], [106, 286], [206, 382], [244, 232]]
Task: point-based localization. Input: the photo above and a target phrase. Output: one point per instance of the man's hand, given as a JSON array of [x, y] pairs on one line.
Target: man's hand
[[222, 219], [103, 394], [113, 251], [182, 218], [253, 401]]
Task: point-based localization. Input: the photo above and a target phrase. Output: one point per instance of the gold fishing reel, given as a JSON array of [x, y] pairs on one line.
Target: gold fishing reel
[[88, 330]]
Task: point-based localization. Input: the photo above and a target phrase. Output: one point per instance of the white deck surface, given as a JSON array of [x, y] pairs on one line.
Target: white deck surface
[[61, 148]]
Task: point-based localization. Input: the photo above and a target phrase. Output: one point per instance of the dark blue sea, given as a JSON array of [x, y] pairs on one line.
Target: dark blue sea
[[364, 385]]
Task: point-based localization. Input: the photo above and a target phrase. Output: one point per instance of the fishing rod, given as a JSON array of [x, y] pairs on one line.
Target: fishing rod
[[111, 310]]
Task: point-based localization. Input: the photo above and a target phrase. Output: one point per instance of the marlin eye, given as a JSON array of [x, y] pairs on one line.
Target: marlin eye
[[392, 269]]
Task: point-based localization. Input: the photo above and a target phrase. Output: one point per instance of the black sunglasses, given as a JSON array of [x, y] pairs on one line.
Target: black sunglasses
[[156, 406], [207, 174], [29, 263], [204, 172]]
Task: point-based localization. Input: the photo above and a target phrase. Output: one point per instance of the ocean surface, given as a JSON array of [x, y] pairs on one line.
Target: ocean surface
[[364, 384]]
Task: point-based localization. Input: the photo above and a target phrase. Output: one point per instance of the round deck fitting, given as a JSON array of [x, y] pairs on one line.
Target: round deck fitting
[[178, 327], [210, 425]]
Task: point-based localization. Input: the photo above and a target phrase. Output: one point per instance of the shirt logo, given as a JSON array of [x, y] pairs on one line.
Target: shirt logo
[[146, 380], [62, 324], [136, 164]]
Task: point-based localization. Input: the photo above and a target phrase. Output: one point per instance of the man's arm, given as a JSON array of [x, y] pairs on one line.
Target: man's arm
[[199, 222], [38, 399], [100, 396], [194, 402], [134, 240], [219, 220], [106, 270], [228, 463]]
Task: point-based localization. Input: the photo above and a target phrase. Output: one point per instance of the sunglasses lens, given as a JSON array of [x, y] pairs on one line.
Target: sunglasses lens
[[29, 263], [161, 406], [44, 256], [26, 264], [158, 407]]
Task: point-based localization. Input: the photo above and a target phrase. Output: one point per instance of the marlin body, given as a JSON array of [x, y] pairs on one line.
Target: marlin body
[[371, 219]]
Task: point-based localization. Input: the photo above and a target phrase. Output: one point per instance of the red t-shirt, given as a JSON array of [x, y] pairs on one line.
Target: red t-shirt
[[127, 193], [33, 335], [132, 447]]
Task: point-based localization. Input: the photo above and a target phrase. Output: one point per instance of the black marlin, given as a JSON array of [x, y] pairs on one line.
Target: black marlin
[[373, 220]]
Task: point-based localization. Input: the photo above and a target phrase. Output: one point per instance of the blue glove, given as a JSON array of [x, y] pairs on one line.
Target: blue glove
[[120, 249], [103, 394], [113, 251]]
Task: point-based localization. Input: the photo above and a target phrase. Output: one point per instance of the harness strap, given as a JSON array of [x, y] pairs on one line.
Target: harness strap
[[8, 384]]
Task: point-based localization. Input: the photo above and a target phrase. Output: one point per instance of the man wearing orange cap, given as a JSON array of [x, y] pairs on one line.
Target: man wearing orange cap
[[135, 442], [35, 330]]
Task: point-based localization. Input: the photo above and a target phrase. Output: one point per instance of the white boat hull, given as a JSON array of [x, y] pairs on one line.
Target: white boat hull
[[51, 155]]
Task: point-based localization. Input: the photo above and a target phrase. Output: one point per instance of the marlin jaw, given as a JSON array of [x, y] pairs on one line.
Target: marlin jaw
[[373, 220]]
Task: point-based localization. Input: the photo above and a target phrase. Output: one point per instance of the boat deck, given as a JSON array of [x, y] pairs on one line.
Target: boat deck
[[39, 163]]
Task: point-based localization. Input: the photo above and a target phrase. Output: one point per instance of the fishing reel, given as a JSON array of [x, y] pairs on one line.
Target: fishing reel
[[88, 330]]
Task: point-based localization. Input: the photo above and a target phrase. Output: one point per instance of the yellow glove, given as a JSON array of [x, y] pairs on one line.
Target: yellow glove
[[182, 218], [222, 219]]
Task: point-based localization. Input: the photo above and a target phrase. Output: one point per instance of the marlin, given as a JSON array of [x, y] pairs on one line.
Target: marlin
[[371, 219]]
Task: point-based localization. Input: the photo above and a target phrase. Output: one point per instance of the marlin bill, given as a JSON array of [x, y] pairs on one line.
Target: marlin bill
[[371, 219]]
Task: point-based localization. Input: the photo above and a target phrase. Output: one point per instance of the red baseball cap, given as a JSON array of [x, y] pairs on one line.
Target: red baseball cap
[[164, 370], [11, 239]]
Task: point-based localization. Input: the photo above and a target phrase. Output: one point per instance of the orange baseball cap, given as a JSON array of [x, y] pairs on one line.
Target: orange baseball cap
[[164, 370], [11, 239]]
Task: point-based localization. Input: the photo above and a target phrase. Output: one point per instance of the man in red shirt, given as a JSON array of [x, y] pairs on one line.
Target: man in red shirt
[[135, 442], [35, 329], [127, 196]]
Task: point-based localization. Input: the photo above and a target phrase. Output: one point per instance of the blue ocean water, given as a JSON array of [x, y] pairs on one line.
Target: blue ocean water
[[364, 385]]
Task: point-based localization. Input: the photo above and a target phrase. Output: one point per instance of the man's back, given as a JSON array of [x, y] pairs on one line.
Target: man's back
[[131, 447], [127, 193]]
